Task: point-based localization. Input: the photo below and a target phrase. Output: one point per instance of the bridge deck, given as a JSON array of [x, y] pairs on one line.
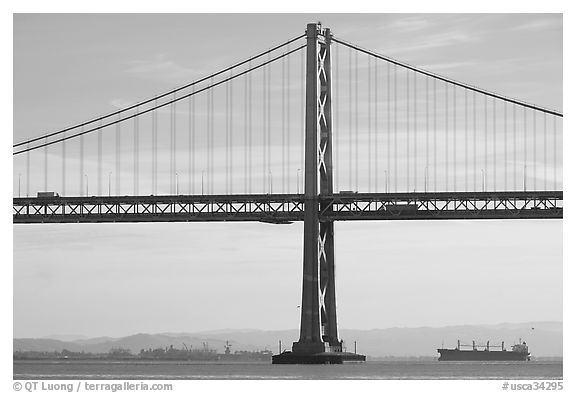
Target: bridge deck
[[285, 208]]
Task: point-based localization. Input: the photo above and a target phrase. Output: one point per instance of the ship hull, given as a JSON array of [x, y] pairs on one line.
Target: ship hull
[[485, 356]]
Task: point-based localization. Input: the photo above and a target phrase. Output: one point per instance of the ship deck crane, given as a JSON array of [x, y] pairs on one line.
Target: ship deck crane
[[486, 347]]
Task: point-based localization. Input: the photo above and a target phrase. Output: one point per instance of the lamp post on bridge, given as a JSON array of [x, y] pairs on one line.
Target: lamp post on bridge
[[524, 178], [86, 176], [298, 181], [109, 183], [19, 177], [176, 183], [386, 180], [202, 184]]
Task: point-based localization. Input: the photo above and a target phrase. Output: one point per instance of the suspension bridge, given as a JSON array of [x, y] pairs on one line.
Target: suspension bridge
[[315, 129]]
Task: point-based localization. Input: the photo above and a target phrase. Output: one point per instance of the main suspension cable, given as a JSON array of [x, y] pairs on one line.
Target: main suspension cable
[[447, 80], [241, 63], [160, 105]]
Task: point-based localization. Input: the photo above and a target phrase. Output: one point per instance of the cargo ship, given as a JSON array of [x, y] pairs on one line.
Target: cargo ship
[[519, 352]]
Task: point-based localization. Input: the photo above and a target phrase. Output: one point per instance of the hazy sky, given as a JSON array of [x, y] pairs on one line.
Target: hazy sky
[[122, 278]]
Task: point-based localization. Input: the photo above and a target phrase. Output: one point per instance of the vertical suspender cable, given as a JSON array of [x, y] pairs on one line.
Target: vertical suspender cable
[[534, 156], [350, 118], [210, 169], [395, 128], [117, 163], [407, 130], [288, 145], [369, 145], [268, 124], [446, 149], [249, 130], [485, 143], [190, 183], [465, 140], [525, 149], [82, 163], [494, 150], [193, 138], [283, 117], [283, 128], [136, 153], [474, 153], [231, 140], [514, 166], [64, 166], [99, 180], [211, 180], [152, 158], [227, 135], [505, 146], [171, 174], [152, 152], [28, 171], [554, 152], [356, 120], [454, 163], [435, 132], [175, 151], [264, 113], [155, 148], [388, 122], [46, 165], [376, 129], [544, 146], [427, 114], [206, 171], [174, 142], [415, 128], [288, 142], [246, 133]]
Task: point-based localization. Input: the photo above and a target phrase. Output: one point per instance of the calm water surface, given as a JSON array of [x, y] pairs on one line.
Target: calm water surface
[[235, 370]]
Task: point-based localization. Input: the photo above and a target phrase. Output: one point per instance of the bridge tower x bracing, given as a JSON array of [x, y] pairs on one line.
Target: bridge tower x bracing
[[318, 326]]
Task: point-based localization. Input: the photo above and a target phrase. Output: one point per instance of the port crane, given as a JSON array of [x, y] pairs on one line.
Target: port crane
[[227, 348]]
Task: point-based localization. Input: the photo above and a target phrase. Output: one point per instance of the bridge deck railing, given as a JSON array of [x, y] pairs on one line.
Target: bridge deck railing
[[285, 208]]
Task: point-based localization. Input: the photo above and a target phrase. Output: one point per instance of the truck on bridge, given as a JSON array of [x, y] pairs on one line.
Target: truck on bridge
[[47, 194]]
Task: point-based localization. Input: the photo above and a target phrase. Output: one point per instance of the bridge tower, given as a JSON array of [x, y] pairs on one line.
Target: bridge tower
[[318, 341], [318, 331]]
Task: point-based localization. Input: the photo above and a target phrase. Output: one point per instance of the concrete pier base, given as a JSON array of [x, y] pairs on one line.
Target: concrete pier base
[[288, 357]]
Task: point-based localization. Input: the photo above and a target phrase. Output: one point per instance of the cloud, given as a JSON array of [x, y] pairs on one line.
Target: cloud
[[437, 67], [434, 41], [162, 69], [410, 24], [539, 24], [120, 103]]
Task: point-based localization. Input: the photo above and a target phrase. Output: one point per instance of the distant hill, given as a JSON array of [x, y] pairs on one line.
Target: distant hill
[[66, 337], [543, 338], [44, 345]]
